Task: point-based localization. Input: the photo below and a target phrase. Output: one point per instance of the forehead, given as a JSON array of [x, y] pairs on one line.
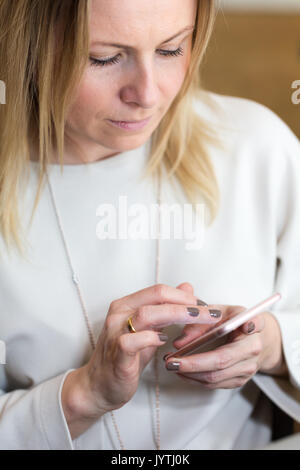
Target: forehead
[[141, 20]]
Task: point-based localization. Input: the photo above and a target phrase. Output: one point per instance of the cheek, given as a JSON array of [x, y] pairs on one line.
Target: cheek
[[173, 77], [84, 103], [171, 82]]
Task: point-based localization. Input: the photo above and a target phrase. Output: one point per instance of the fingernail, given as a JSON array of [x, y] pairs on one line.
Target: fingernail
[[215, 313], [163, 337], [164, 358], [251, 327], [173, 365], [200, 302], [193, 311], [180, 337]]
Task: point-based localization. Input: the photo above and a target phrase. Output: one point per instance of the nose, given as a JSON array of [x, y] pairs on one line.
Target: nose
[[141, 85]]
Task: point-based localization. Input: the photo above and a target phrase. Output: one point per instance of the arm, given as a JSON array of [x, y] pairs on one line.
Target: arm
[[286, 314], [278, 171], [275, 363], [33, 418], [76, 403], [48, 416], [286, 393]]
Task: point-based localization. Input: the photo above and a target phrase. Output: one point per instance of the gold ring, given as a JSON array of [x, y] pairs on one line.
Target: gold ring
[[130, 325]]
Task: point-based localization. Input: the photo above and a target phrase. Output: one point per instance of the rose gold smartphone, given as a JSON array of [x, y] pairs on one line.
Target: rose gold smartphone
[[224, 327]]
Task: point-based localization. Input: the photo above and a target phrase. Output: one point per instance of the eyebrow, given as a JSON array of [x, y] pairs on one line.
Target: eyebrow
[[187, 28]]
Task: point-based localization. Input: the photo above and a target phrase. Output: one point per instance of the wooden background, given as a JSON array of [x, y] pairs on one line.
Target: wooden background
[[256, 56]]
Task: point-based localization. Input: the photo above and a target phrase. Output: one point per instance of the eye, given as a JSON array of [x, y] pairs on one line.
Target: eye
[[116, 59]]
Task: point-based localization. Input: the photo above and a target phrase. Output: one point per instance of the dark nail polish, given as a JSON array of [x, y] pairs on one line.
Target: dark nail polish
[[173, 365], [163, 337], [251, 327], [215, 313], [193, 311], [200, 302], [164, 358]]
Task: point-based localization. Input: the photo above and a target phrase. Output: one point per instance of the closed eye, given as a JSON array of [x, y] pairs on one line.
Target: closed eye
[[116, 59]]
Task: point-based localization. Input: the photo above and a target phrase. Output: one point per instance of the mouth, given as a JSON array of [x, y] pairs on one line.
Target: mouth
[[133, 122], [130, 125]]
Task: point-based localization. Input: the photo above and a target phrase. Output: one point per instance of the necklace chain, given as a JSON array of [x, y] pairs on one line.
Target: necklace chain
[[87, 321]]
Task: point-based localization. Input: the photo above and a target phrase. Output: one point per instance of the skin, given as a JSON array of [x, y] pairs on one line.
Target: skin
[[144, 83], [244, 354]]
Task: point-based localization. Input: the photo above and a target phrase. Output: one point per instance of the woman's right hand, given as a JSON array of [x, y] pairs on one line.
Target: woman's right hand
[[113, 371], [110, 378]]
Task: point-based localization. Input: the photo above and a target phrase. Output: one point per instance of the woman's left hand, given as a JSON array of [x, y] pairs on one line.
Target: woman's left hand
[[256, 346]]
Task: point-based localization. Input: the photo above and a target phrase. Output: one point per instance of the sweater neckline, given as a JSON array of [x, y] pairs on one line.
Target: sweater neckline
[[135, 157]]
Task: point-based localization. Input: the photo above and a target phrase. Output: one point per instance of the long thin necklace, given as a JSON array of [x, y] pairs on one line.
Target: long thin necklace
[[87, 321]]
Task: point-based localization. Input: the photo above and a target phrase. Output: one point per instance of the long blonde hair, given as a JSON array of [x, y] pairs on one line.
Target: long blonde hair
[[40, 71]]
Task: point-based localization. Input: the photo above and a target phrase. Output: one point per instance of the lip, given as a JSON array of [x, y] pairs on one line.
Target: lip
[[130, 125]]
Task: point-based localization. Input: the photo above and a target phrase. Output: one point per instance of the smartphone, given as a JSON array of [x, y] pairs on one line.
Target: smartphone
[[224, 327]]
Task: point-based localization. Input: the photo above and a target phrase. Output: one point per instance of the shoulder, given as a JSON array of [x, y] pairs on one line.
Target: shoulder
[[249, 125], [242, 114]]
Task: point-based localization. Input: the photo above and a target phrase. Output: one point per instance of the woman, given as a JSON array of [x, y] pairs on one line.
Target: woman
[[88, 318]]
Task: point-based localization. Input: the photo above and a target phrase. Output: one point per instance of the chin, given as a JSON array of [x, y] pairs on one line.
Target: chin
[[125, 143]]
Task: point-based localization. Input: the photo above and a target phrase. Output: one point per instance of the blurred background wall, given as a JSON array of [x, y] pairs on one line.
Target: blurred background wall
[[255, 53]]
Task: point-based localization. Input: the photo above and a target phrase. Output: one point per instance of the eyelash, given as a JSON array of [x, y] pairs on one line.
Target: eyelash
[[115, 60]]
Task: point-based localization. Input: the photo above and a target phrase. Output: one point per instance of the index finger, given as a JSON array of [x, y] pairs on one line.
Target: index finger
[[159, 294]]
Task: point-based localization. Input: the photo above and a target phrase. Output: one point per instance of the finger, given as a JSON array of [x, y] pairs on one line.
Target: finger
[[156, 294], [244, 369], [160, 316], [191, 332], [189, 288], [129, 345], [218, 359], [255, 325], [235, 382], [186, 286]]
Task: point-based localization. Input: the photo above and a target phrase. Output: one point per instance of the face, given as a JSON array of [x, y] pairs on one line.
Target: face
[[137, 78]]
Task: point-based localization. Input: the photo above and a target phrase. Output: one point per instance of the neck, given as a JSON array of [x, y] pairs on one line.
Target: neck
[[68, 160]]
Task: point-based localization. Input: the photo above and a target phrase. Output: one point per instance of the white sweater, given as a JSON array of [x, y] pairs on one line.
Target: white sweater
[[41, 318]]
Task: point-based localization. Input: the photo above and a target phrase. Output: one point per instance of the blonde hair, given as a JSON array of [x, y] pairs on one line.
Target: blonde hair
[[44, 45]]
